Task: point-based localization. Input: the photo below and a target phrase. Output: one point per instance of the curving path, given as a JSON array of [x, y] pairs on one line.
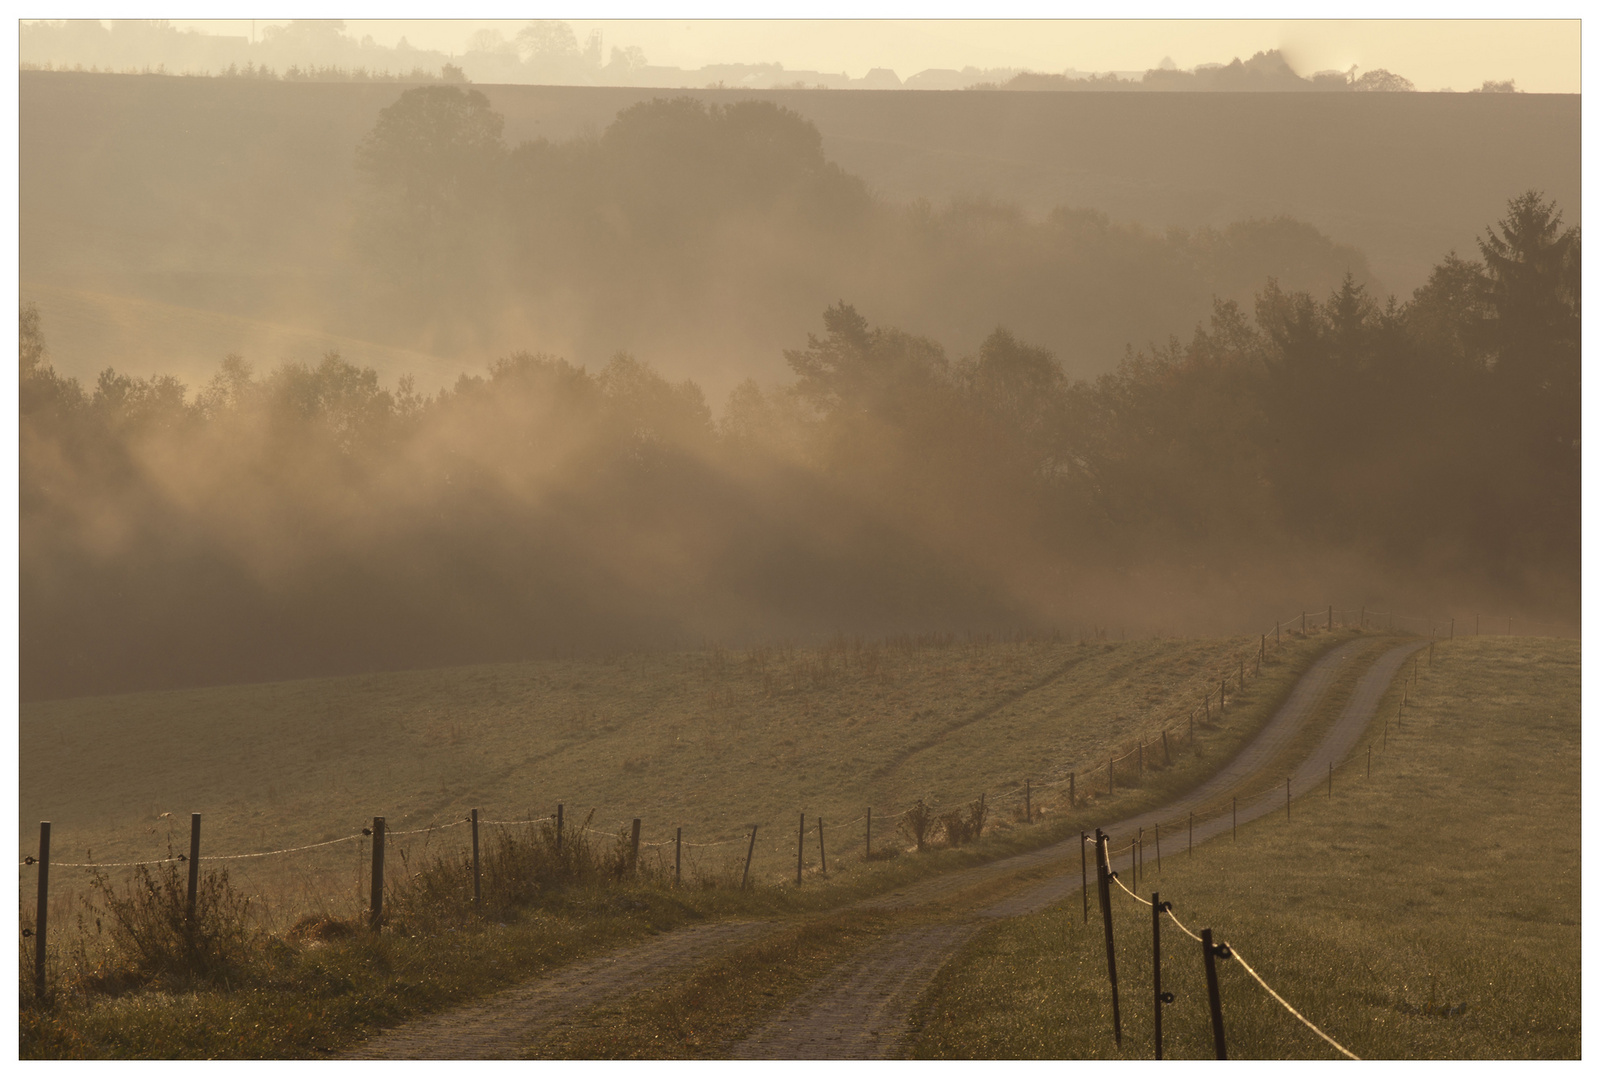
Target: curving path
[[860, 1009]]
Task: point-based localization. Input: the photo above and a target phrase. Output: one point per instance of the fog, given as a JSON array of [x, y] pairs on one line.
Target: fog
[[682, 377]]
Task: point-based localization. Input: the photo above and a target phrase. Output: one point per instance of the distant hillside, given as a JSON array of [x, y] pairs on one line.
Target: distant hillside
[[232, 199]]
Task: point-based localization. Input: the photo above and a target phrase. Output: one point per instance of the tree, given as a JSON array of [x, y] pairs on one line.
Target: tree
[[545, 38]]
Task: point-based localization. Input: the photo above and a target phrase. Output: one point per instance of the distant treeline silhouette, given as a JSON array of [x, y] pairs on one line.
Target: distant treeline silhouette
[[693, 230], [310, 520]]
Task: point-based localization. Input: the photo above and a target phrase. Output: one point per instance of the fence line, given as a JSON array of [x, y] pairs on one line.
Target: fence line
[[774, 840]]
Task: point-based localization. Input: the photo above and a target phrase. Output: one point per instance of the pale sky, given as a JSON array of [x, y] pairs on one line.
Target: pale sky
[[1541, 55]]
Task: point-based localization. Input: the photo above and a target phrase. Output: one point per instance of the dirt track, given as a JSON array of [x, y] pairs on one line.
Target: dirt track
[[860, 1008]]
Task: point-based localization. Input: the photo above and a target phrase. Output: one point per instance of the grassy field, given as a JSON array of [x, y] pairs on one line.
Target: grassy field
[[1430, 912], [295, 763], [710, 741]]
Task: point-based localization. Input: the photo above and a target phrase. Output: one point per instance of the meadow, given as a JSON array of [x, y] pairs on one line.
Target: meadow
[[710, 741], [1431, 911]]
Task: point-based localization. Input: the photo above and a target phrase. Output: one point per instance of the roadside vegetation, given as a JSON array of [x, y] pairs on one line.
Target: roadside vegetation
[[1430, 912]]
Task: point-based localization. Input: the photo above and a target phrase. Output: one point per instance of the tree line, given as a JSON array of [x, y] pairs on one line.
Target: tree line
[[310, 520], [693, 230]]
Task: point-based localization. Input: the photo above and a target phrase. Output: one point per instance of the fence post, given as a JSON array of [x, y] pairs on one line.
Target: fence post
[[1111, 781], [477, 875], [1453, 629], [42, 912], [1362, 620], [1286, 798], [678, 856], [800, 847], [633, 848], [1156, 968], [194, 874], [1236, 805], [744, 881], [1103, 870], [822, 853], [1136, 860], [1167, 755], [1222, 698], [869, 832], [558, 828], [1212, 998], [1370, 761], [1139, 770], [1192, 832], [1028, 802], [1206, 704], [376, 910], [1072, 790], [1158, 849], [1083, 869], [1331, 778]]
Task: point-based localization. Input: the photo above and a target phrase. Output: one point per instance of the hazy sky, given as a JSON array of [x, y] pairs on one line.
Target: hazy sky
[[1542, 55]]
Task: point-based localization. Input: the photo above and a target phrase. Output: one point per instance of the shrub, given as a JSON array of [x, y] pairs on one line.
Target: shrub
[[150, 935], [960, 827], [917, 822]]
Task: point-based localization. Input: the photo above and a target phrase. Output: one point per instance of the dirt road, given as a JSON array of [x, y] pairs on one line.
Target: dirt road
[[860, 1008]]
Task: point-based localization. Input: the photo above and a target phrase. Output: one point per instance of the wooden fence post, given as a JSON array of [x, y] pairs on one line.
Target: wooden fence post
[[1156, 970], [1072, 789], [1134, 858], [1158, 849], [41, 918], [1192, 832], [558, 828], [745, 881], [1453, 630], [1286, 798], [822, 853], [1222, 698], [1139, 770], [1111, 780], [376, 909], [477, 874], [1103, 870], [1167, 755], [1212, 998], [1331, 778], [800, 847], [1083, 840], [1028, 802], [869, 832], [1236, 804], [633, 848], [678, 856], [194, 874]]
